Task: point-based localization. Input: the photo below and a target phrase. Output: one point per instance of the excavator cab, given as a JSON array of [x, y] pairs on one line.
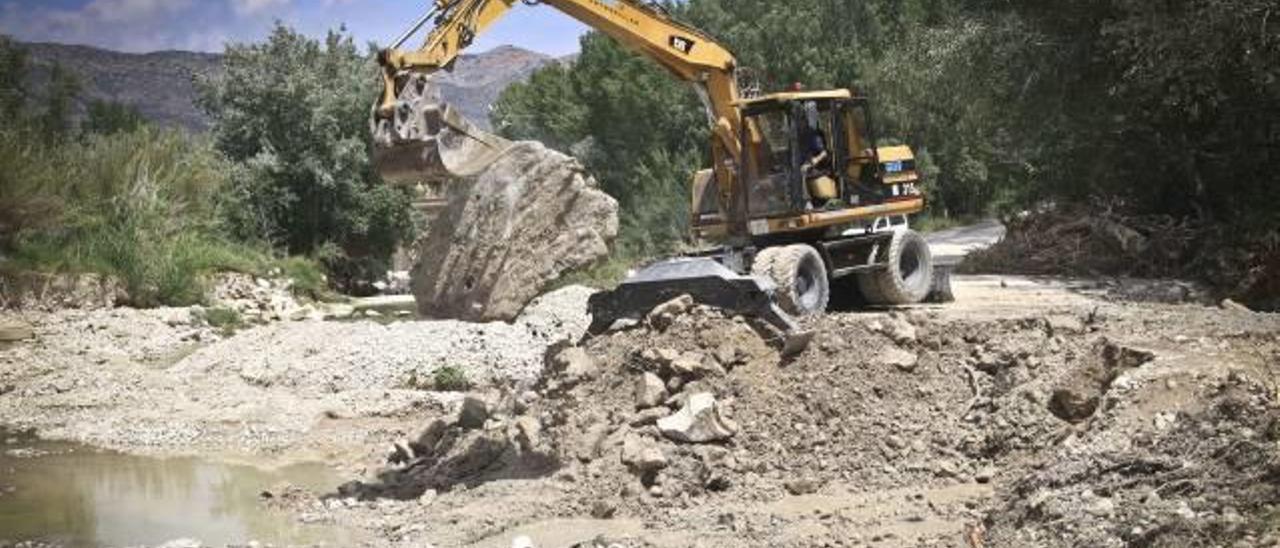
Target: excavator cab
[[811, 164]]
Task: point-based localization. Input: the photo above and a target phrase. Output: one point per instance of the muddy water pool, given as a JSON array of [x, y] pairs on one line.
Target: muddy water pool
[[75, 496]]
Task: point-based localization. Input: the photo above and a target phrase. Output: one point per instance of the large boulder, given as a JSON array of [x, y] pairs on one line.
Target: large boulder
[[521, 216]]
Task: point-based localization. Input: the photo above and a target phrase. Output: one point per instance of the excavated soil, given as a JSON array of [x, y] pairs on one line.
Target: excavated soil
[[1032, 412], [1032, 416]]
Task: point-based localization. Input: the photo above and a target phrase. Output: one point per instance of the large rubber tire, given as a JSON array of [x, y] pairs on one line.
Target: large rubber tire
[[803, 288], [908, 274], [762, 266]]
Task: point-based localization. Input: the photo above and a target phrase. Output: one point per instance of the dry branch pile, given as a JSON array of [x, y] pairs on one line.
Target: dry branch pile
[[1097, 242]]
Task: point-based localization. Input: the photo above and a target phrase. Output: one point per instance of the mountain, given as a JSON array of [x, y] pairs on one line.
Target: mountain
[[477, 80], [160, 84]]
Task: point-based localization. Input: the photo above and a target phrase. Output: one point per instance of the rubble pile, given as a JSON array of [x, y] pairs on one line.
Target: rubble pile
[[259, 299], [1053, 428]]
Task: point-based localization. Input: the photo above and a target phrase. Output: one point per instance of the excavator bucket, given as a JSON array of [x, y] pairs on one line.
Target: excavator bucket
[[425, 139], [709, 283]]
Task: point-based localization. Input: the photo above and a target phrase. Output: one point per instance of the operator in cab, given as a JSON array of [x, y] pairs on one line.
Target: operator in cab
[[817, 168]]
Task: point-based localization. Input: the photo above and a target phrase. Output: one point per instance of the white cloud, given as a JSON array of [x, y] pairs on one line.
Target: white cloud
[[140, 25], [116, 11], [255, 7]]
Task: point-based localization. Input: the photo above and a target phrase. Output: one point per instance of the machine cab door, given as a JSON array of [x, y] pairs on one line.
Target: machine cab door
[[773, 159], [857, 161]]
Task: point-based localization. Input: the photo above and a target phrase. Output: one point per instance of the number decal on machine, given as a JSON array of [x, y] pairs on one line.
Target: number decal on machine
[[682, 44]]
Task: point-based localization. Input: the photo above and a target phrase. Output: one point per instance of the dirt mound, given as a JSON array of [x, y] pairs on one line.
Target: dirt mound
[[1079, 242], [1102, 242], [1199, 479], [922, 427], [653, 419]]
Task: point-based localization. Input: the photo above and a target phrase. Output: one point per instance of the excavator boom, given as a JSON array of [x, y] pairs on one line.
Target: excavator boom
[[410, 115]]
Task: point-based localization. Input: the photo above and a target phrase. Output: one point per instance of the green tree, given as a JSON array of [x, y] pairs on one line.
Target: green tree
[[55, 121], [109, 118], [292, 114], [13, 78]]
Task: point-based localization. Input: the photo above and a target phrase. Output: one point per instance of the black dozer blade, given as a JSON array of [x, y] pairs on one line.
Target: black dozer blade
[[709, 283]]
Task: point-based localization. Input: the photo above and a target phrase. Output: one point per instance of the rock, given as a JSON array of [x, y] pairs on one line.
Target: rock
[[802, 486], [401, 453], [1228, 304], [603, 510], [675, 384], [1064, 325], [642, 455], [1101, 507], [575, 365], [474, 413], [648, 416], [728, 356], [588, 447], [946, 469], [650, 391], [335, 311], [427, 497], [518, 218], [694, 365], [523, 542], [687, 365], [1072, 405], [15, 330], [985, 474], [904, 360], [901, 331], [652, 458], [664, 314], [524, 400], [430, 437], [528, 433], [699, 421]]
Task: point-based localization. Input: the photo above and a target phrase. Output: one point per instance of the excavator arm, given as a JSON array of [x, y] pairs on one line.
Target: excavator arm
[[685, 52]]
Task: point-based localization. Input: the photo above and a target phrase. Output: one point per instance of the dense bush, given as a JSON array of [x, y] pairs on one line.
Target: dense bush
[[291, 114], [139, 206], [111, 195]]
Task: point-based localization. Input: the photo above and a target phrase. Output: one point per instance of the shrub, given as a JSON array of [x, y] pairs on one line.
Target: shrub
[[308, 278], [291, 113], [450, 379], [139, 206], [225, 319]]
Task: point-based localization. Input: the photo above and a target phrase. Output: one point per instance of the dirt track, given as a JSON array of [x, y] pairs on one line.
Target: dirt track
[[1029, 413]]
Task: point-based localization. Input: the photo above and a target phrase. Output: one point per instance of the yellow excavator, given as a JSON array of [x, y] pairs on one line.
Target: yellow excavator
[[801, 204]]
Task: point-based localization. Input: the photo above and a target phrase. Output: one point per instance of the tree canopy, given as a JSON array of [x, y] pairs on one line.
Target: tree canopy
[[291, 113], [1166, 107]]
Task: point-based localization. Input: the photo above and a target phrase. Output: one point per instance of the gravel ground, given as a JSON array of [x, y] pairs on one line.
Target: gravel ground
[[161, 381], [1026, 414], [1032, 412]]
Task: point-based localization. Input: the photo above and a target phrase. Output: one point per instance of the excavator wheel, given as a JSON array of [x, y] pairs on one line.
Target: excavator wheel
[[803, 288], [908, 274]]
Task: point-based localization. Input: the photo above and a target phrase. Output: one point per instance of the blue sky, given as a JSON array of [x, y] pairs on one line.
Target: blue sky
[[205, 25]]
